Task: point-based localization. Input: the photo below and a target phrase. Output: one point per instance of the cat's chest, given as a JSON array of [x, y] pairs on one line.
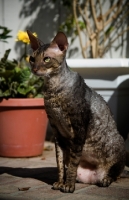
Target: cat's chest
[[58, 108], [55, 103]]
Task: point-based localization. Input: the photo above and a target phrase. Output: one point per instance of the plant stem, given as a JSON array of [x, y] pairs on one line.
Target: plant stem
[[78, 28], [25, 53]]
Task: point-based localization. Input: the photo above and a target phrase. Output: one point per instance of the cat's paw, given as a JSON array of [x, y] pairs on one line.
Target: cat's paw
[[57, 185], [105, 182], [68, 188]]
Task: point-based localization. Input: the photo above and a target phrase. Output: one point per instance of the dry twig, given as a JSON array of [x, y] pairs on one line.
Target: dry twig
[[100, 26]]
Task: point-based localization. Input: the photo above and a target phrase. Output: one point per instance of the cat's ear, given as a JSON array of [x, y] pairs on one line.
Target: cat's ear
[[61, 40], [34, 41]]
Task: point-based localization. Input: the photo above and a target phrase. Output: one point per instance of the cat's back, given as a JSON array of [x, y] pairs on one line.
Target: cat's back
[[102, 135]]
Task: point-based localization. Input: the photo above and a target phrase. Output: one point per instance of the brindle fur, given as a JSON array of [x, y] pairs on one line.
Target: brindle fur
[[85, 132]]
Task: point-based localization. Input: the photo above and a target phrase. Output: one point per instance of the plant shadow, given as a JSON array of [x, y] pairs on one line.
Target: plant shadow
[[44, 18], [45, 174]]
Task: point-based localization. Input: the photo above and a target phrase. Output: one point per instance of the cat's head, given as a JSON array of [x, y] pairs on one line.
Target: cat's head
[[46, 59]]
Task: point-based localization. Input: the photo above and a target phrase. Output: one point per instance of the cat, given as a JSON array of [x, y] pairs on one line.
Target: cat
[[89, 148]]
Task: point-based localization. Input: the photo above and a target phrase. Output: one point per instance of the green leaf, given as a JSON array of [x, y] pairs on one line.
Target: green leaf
[[109, 30], [17, 81], [39, 96], [82, 25], [17, 69], [25, 74], [6, 74], [5, 57], [24, 88], [5, 94]]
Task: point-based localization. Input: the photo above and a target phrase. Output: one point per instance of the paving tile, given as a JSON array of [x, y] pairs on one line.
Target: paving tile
[[3, 161], [28, 182], [121, 182], [14, 162], [86, 197], [39, 173], [43, 193], [79, 186], [8, 179], [108, 191], [7, 189]]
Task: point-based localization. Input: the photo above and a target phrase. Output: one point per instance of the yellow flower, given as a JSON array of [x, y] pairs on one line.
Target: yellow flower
[[23, 36], [27, 58]]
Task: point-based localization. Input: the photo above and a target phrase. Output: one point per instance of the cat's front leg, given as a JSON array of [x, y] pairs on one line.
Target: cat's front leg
[[71, 173], [61, 167]]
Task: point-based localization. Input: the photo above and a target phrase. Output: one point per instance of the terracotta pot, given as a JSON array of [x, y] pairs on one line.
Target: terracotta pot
[[23, 124]]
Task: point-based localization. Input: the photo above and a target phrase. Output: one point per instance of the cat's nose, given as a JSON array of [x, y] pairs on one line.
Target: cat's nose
[[35, 69]]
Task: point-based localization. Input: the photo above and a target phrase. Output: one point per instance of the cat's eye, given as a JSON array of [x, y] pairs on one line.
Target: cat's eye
[[32, 59], [47, 59]]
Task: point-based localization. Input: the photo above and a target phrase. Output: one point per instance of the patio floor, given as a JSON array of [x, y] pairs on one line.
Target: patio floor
[[32, 179]]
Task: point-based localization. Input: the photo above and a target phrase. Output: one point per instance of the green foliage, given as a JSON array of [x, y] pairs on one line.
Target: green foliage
[[17, 81], [5, 34], [69, 27]]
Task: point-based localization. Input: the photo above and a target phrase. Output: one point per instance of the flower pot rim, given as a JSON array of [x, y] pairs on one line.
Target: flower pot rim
[[22, 102]]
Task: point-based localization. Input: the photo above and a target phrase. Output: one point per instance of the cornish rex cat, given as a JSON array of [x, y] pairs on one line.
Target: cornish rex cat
[[88, 146]]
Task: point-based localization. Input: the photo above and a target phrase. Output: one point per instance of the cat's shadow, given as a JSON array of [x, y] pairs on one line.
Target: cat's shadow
[[45, 174]]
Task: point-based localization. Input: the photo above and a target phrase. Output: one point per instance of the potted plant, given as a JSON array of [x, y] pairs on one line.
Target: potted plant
[[23, 120]]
